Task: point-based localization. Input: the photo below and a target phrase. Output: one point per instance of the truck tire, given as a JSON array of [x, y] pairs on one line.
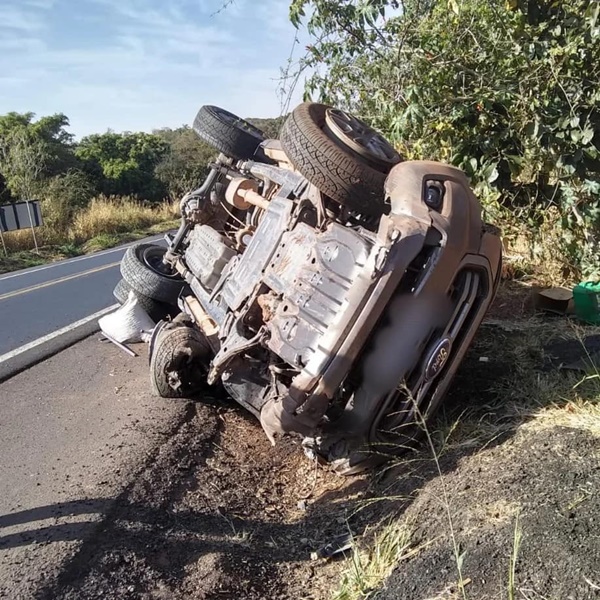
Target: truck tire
[[332, 166], [155, 309], [143, 271], [178, 362], [229, 134]]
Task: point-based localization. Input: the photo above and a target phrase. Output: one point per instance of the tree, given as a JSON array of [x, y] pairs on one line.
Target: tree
[[185, 166], [509, 92], [63, 196], [271, 127], [49, 132], [124, 163], [22, 162], [4, 191]]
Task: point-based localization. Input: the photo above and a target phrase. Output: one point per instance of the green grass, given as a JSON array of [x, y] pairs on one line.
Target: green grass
[[370, 565]]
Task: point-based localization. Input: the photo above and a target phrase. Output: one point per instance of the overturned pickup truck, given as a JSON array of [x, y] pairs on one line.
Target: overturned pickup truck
[[331, 288]]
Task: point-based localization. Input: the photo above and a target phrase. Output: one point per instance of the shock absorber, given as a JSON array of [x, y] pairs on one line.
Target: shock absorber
[[199, 196]]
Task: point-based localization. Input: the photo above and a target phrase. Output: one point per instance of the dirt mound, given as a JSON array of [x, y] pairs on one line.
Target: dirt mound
[[217, 513], [550, 478]]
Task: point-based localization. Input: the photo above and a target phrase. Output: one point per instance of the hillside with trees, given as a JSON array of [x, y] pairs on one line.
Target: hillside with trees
[[99, 190]]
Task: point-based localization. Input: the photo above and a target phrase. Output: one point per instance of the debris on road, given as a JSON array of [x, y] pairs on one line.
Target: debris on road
[[126, 349], [557, 300], [127, 323], [586, 296], [338, 545], [574, 354]]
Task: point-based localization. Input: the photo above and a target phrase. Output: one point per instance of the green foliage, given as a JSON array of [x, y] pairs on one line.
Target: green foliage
[[50, 133], [508, 92], [124, 163], [5, 195], [63, 196], [22, 162], [185, 166], [271, 127]]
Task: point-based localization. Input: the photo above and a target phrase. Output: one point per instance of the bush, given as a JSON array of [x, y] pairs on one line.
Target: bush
[[63, 196], [506, 91]]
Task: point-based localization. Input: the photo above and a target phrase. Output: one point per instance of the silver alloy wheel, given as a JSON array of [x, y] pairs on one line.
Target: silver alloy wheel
[[361, 138]]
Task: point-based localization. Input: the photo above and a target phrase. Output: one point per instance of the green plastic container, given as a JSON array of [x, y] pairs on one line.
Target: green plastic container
[[586, 297]]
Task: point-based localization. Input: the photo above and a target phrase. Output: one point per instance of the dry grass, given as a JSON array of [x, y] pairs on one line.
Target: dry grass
[[112, 216], [538, 252], [107, 217], [517, 538], [516, 389], [369, 567]]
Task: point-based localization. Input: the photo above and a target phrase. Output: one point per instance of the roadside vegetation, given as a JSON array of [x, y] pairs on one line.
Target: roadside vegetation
[[508, 91], [97, 192]]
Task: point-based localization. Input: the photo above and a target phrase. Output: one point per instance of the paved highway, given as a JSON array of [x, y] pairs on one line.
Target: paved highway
[[74, 432], [38, 301]]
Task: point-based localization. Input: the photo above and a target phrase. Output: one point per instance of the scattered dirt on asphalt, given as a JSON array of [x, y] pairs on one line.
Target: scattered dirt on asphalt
[[217, 513]]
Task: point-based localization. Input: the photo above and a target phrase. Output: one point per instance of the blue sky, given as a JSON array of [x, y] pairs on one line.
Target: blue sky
[[142, 64]]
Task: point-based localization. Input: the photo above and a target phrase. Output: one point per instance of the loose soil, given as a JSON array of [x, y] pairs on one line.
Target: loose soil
[[549, 479], [218, 513]]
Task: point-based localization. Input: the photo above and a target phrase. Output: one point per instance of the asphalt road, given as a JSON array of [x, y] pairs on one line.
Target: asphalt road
[[74, 431], [36, 302]]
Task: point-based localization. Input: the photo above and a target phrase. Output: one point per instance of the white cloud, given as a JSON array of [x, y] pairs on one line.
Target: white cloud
[[19, 19], [145, 64], [40, 4]]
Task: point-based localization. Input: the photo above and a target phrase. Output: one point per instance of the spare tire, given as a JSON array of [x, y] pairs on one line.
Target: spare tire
[[229, 134], [348, 174], [155, 309], [143, 270]]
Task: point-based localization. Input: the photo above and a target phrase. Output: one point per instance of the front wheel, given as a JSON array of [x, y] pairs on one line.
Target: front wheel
[[178, 362]]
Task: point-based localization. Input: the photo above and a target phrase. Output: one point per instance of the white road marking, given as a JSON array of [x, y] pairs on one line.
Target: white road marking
[[46, 284], [55, 334], [79, 258]]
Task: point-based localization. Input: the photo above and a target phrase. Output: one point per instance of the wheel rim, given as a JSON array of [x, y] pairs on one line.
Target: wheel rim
[[238, 122], [364, 140], [153, 259]]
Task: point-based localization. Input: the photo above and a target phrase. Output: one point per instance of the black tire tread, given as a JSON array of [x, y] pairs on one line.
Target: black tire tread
[[147, 282], [337, 172], [155, 309], [232, 141], [168, 346]]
